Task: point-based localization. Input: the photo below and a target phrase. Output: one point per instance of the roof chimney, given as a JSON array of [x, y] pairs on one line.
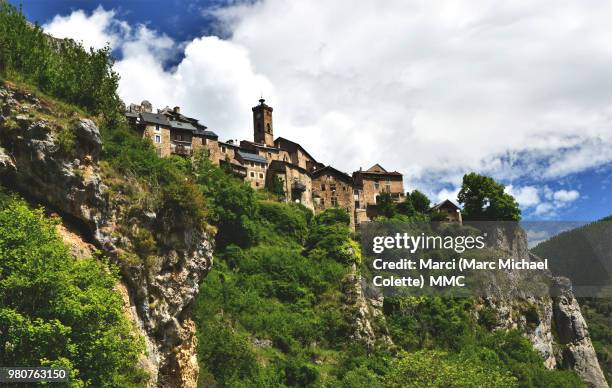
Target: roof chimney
[[177, 109]]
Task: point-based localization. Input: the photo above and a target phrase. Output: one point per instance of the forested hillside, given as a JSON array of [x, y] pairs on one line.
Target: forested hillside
[[282, 305]]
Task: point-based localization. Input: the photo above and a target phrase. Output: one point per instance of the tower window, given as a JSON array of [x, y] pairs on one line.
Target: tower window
[[157, 139], [252, 174]]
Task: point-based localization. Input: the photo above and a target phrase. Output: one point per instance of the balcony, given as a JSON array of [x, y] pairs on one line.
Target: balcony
[[179, 147]]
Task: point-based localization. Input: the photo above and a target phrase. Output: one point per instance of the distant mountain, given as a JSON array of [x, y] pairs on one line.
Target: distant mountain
[[583, 254]]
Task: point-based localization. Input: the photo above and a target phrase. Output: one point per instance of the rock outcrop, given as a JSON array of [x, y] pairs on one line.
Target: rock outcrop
[[364, 305], [55, 163], [553, 322]]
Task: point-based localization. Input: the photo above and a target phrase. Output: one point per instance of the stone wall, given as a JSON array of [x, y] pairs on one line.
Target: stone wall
[[373, 186], [329, 191], [256, 174], [164, 147]]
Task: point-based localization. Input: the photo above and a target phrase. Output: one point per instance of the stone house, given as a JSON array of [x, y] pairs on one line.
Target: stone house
[[333, 188], [370, 183], [171, 132], [447, 211], [256, 168], [297, 183]]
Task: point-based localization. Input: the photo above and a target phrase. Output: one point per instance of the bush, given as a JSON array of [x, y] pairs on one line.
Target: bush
[[61, 68], [287, 219], [58, 311]]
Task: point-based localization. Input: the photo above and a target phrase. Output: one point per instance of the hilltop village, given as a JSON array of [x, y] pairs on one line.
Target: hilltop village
[[266, 161]]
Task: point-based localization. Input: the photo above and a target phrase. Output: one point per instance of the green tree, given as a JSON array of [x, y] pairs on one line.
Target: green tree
[[406, 207], [276, 187], [420, 202], [385, 205], [484, 199], [58, 311]]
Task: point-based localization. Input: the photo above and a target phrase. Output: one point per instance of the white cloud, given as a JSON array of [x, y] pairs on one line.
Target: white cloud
[[447, 194], [95, 30], [526, 196], [566, 196], [542, 201], [432, 89]]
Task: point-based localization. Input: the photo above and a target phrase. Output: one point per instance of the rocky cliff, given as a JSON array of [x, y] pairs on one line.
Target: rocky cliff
[[51, 156], [553, 322]]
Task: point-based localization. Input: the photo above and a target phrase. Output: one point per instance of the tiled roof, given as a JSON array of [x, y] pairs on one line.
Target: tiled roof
[[446, 202], [252, 157], [291, 146], [332, 171], [206, 133], [154, 118], [182, 125]]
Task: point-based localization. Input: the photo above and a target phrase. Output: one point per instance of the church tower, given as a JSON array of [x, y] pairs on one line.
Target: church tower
[[262, 124]]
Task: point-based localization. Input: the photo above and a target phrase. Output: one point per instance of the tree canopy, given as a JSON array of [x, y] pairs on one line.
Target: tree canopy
[[484, 199]]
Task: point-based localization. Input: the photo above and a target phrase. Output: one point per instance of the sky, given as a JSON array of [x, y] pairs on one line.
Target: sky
[[518, 90]]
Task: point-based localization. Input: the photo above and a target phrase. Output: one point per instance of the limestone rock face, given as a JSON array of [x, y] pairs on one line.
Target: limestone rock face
[[553, 323], [35, 161], [364, 305], [576, 351]]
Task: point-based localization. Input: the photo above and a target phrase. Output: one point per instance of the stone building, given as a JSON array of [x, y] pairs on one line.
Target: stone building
[[447, 211], [264, 159], [256, 168], [333, 188], [262, 124], [297, 183], [171, 132], [369, 184]]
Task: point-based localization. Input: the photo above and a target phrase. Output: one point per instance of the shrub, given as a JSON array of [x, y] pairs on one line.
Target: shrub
[[55, 310], [288, 219]]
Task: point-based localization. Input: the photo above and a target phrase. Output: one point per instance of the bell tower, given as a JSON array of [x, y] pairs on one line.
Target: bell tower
[[262, 124]]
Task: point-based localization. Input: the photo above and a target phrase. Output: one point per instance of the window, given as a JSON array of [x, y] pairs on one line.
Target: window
[[223, 149], [157, 128], [252, 164], [269, 154], [256, 184], [179, 137], [252, 174], [205, 141], [261, 175], [334, 201], [322, 201], [157, 139], [343, 188], [322, 187], [332, 187], [376, 186]]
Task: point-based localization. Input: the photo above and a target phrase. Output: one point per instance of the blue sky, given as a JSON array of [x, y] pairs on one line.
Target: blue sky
[[519, 91]]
